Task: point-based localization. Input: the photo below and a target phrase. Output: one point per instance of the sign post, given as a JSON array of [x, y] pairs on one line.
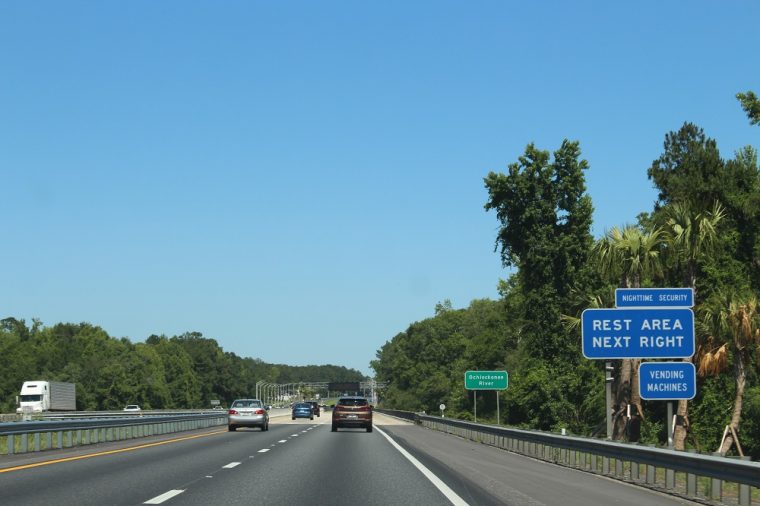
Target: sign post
[[485, 380]]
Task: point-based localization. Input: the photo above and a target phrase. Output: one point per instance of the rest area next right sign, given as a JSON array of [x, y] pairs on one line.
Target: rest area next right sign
[[610, 333]]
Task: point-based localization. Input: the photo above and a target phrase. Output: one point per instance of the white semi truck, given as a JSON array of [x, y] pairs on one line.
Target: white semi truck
[[39, 396]]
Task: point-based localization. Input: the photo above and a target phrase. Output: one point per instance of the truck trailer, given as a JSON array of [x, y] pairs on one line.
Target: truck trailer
[[39, 396]]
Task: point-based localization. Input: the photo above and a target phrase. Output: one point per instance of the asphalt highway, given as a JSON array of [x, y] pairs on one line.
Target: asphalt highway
[[302, 461]]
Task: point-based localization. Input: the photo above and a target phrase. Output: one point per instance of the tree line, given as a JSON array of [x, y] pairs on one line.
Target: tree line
[[185, 371], [703, 232]]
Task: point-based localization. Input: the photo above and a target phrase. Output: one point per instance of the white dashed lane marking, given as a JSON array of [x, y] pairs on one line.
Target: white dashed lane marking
[[172, 493], [163, 497]]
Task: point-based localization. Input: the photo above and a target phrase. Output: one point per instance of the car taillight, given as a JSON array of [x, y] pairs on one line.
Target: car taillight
[[232, 412], [259, 412]]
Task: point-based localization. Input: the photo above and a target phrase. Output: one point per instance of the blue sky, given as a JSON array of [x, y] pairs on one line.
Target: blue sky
[[302, 180]]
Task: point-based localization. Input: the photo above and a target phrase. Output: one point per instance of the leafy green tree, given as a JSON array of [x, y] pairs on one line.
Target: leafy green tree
[[692, 236], [545, 217], [733, 323], [751, 105]]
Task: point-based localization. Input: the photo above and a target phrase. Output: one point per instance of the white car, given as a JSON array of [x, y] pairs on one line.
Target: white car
[[132, 407], [247, 413]]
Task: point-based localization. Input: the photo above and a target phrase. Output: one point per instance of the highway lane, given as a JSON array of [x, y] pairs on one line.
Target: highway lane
[[303, 461], [486, 475], [293, 461]]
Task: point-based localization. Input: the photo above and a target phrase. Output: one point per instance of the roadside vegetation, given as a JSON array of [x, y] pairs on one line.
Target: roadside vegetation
[[185, 371], [703, 232]]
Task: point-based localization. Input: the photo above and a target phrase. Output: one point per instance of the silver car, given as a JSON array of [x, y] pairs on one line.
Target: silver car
[[248, 413]]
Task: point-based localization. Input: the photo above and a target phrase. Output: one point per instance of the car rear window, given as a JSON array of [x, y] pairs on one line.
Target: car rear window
[[352, 402], [246, 404], [303, 406]]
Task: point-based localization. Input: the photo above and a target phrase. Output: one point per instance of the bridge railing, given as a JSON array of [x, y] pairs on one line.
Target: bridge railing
[[692, 475]]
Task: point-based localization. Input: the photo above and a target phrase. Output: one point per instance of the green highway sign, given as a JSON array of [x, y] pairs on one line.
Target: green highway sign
[[486, 380]]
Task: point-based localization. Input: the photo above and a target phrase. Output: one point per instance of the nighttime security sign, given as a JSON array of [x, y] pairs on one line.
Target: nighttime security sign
[[611, 333]]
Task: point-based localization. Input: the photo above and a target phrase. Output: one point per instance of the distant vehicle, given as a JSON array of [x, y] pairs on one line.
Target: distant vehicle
[[132, 407], [352, 412], [217, 408], [247, 413], [314, 407], [39, 396], [302, 410]]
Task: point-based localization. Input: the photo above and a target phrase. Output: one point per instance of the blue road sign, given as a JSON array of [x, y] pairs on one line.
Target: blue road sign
[[654, 297], [667, 381], [637, 333]]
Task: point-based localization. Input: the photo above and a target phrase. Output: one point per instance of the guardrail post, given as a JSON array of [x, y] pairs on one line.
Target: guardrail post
[[605, 465], [24, 443], [594, 468], [651, 470], [670, 479], [48, 440], [572, 458], [36, 441], [745, 496], [618, 468], [59, 442], [634, 471], [79, 437], [691, 480], [11, 444], [716, 489], [87, 436]]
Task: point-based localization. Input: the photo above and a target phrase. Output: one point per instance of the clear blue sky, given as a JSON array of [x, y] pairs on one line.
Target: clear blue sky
[[302, 180]]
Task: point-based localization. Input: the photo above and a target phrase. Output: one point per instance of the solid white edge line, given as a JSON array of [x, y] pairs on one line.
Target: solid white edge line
[[164, 497], [231, 465], [435, 480]]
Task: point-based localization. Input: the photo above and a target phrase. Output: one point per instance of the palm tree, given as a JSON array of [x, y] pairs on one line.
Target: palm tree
[[730, 320], [630, 254], [691, 235]]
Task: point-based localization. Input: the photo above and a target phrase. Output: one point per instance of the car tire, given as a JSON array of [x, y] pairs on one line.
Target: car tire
[[334, 428], [231, 428], [311, 417], [293, 418], [369, 428]]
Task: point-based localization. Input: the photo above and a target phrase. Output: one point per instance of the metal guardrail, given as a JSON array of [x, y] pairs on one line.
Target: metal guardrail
[[23, 437], [692, 475]]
